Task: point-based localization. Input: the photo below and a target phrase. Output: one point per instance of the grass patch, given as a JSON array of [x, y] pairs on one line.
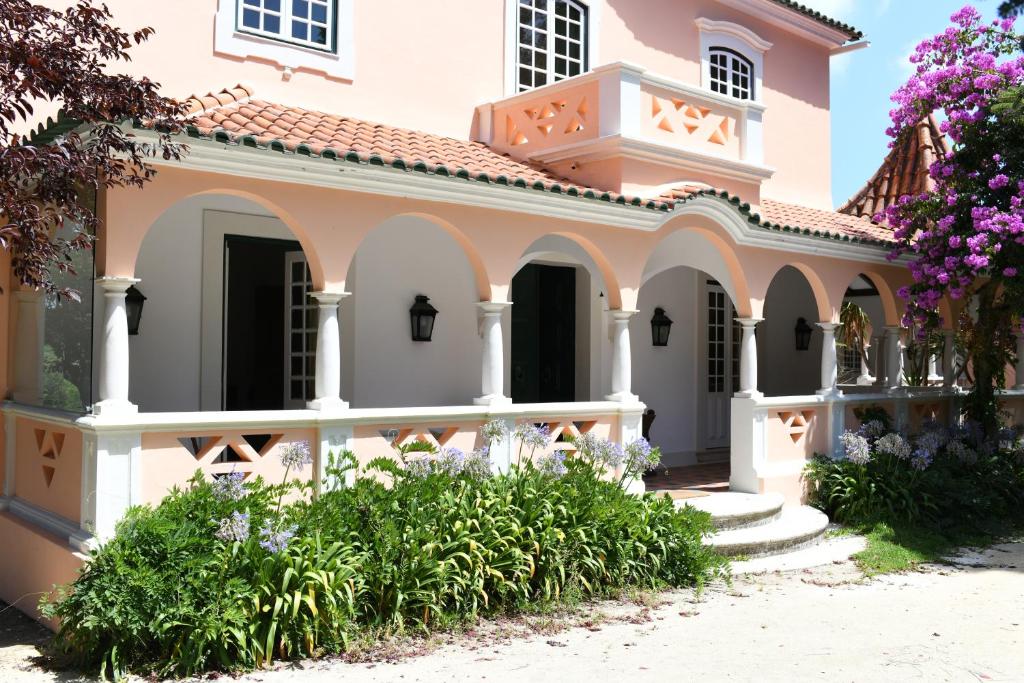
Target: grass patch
[[901, 548]]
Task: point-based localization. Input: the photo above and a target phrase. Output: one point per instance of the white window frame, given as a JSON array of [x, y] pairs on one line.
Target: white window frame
[[289, 55], [739, 39], [593, 8], [731, 64], [285, 18]]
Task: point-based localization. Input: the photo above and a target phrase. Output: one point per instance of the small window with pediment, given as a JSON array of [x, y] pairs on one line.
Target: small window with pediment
[[731, 73]]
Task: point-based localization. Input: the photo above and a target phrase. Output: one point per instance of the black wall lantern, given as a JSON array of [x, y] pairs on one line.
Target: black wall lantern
[[803, 334], [660, 326], [422, 315], [133, 301]]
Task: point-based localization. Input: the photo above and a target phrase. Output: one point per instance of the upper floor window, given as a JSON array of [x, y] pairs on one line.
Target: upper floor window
[[731, 73], [552, 41], [303, 22]]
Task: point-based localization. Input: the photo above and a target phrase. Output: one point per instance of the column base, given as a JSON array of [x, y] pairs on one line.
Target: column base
[[492, 400], [748, 394], [327, 405], [623, 397], [865, 381], [113, 406], [829, 392]]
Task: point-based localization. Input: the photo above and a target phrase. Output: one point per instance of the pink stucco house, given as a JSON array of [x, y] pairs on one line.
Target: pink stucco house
[[399, 220]]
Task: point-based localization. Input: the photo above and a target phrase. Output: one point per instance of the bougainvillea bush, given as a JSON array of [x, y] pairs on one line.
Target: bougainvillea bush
[[965, 238], [229, 575], [937, 478]]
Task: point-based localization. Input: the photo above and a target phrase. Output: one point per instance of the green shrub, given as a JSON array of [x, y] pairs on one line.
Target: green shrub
[[937, 478], [429, 542]]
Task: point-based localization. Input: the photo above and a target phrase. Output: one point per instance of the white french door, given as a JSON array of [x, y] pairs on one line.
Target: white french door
[[300, 315], [720, 365]]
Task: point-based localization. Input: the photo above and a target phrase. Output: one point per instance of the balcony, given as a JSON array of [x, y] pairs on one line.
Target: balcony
[[622, 128]]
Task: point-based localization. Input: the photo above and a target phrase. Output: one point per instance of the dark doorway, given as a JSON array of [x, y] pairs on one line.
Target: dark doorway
[[544, 334], [254, 322]]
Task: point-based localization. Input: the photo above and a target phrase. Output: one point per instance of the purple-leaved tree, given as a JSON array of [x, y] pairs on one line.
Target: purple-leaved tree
[[965, 239], [64, 57]]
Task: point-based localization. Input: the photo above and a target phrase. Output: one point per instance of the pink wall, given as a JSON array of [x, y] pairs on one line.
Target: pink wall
[[409, 76]]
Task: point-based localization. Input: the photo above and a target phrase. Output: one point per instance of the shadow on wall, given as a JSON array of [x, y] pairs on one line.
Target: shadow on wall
[[782, 369]]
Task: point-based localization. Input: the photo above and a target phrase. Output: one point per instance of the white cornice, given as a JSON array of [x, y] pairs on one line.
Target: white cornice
[[654, 152], [791, 20], [743, 33], [233, 160]]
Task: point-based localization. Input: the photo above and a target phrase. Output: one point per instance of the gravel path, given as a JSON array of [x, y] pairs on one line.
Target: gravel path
[[946, 623]]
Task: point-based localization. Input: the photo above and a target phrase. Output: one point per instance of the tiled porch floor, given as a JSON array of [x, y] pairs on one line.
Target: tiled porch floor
[[696, 480]]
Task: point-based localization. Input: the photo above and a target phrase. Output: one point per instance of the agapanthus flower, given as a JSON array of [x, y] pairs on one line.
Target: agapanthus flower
[[420, 467], [855, 448], [234, 528], [230, 486], [450, 461], [962, 452], [893, 444], [296, 455], [477, 463], [552, 464], [495, 430], [872, 429], [532, 436], [273, 540], [641, 457]]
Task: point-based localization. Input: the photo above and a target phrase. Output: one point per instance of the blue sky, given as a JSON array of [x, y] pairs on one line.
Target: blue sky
[[863, 81]]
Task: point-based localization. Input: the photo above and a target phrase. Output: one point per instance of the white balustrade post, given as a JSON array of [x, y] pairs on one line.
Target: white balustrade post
[[878, 343], [829, 360], [1019, 368], [865, 378], [28, 347], [894, 358], [748, 358], [492, 373], [933, 369], [114, 365], [328, 353], [622, 360], [949, 358]]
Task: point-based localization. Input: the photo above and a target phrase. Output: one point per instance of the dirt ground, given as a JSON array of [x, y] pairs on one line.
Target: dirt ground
[[958, 622]]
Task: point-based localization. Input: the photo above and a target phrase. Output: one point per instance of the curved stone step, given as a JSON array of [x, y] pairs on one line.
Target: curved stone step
[[795, 528], [733, 510]]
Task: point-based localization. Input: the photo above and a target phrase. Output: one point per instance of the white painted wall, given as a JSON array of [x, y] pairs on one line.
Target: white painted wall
[[782, 370], [403, 257], [667, 378], [165, 356]]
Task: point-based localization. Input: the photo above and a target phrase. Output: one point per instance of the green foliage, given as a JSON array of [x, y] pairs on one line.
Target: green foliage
[[873, 413], [167, 596]]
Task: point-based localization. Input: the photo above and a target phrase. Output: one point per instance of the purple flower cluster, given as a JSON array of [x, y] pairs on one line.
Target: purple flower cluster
[[856, 448], [960, 231], [234, 529], [452, 462], [296, 455], [552, 464], [230, 486], [641, 457], [602, 452], [533, 437], [276, 540]]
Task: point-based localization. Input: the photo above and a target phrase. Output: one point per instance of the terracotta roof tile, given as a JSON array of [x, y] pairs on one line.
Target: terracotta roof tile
[[850, 31], [904, 171], [301, 130]]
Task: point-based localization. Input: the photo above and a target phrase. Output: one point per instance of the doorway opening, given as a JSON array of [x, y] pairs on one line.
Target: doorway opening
[[543, 334], [269, 336]]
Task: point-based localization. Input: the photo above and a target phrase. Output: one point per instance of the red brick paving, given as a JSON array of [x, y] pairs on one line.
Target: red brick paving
[[712, 478]]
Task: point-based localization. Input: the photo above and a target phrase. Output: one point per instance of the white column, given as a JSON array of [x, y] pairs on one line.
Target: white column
[[865, 379], [949, 358], [28, 347], [1019, 368], [829, 360], [748, 358], [894, 358], [492, 373], [328, 353], [114, 367], [878, 344], [933, 369], [622, 360]]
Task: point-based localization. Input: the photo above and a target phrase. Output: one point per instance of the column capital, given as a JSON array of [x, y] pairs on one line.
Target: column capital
[[829, 326], [116, 284], [493, 307], [329, 298], [620, 314], [748, 322]]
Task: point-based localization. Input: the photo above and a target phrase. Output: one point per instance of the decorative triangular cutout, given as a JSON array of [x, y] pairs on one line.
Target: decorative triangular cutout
[[58, 441], [258, 441], [49, 454], [230, 454], [40, 437], [582, 109], [514, 136], [196, 445], [720, 136], [48, 473]]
